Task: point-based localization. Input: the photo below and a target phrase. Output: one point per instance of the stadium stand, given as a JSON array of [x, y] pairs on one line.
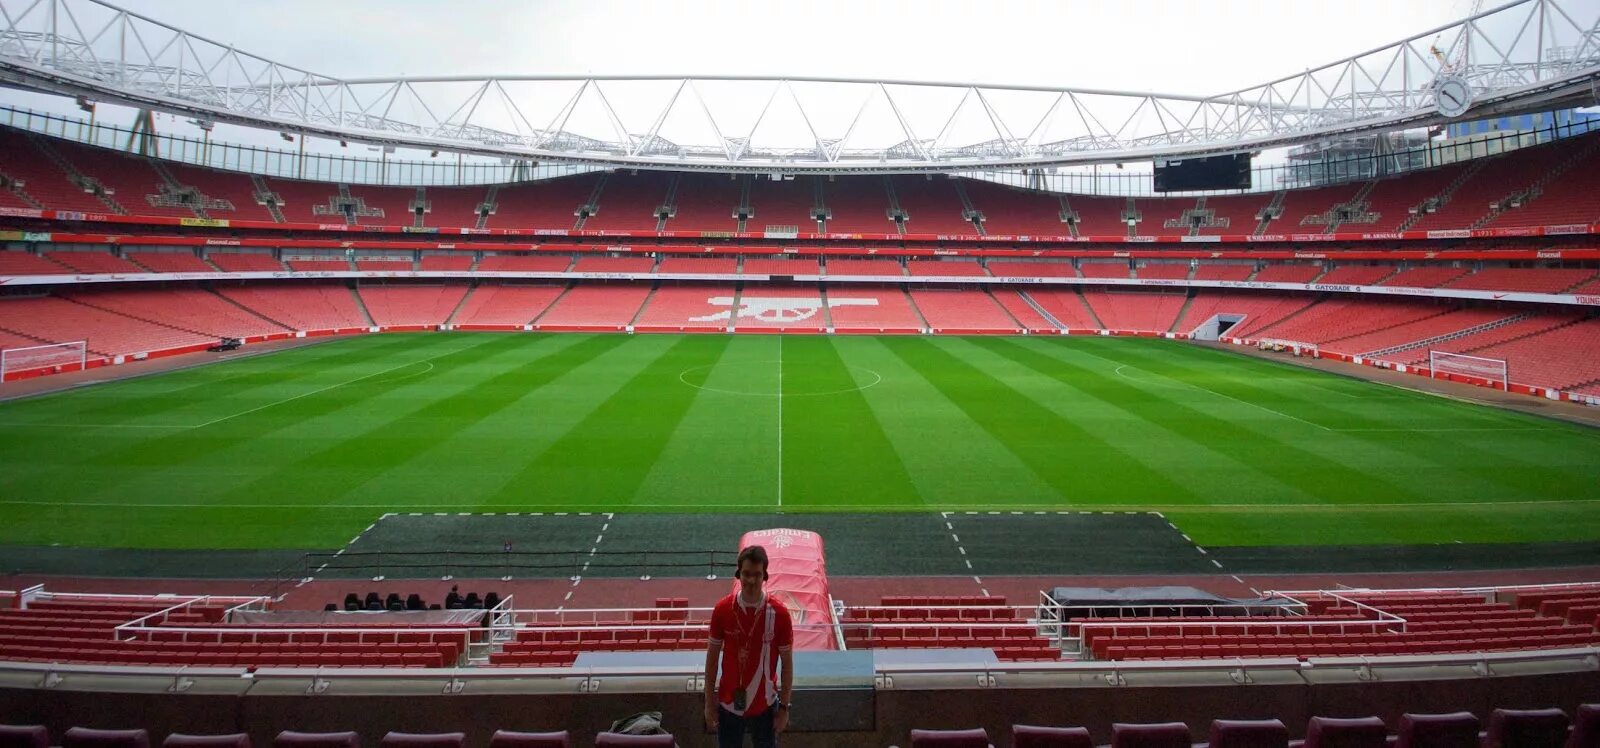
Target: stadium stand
[[445, 262], [1439, 325], [131, 181], [41, 180], [1531, 280], [245, 262], [595, 307], [1163, 270], [1100, 216], [1105, 269], [454, 207], [383, 206], [789, 308], [190, 309], [594, 264], [1288, 273], [1489, 181], [550, 203], [506, 306], [947, 622], [1569, 199], [1024, 312], [1343, 317], [706, 203], [856, 309], [1173, 216], [720, 265], [94, 262], [782, 205], [781, 266], [1258, 309], [858, 205], [1424, 276], [629, 202], [300, 306], [685, 308], [1314, 210], [932, 206], [1065, 306], [312, 265], [55, 319], [411, 305], [171, 262], [1394, 202], [1560, 357], [1143, 311], [1220, 271], [969, 268], [225, 195], [1010, 211], [1357, 275], [306, 202], [840, 266], [526, 263], [1019, 269], [962, 311], [1520, 326], [378, 264]]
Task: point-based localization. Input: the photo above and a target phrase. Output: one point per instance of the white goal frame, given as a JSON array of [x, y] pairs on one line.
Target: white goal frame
[[77, 349], [1492, 369]]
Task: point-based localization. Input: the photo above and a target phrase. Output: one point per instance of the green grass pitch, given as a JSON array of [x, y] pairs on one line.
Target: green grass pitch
[[304, 448]]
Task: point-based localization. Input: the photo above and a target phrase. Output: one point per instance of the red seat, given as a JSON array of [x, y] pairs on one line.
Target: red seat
[[1153, 735], [975, 737], [1241, 733], [1031, 736]]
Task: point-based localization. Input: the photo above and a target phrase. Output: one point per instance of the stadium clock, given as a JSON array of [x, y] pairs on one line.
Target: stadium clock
[[1452, 96]]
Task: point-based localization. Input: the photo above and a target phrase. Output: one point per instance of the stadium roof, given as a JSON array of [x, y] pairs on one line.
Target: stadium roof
[[1523, 56]]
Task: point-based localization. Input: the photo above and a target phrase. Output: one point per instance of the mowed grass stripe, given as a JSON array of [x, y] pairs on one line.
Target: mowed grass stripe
[[1469, 465], [603, 460], [951, 460], [835, 451], [1066, 454], [359, 455], [1299, 473], [1352, 525]]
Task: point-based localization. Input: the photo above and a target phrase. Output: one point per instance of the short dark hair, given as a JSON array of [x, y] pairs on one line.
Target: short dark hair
[[754, 553]]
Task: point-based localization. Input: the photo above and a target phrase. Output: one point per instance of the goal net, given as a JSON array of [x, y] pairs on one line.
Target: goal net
[[54, 357], [1491, 370], [1294, 347]]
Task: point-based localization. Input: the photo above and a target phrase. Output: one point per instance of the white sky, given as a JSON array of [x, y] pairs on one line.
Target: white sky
[[1163, 46]]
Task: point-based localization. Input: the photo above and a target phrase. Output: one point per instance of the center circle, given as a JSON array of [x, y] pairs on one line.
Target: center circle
[[762, 382]]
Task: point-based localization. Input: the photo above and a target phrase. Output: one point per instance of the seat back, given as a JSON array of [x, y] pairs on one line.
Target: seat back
[[1336, 732], [605, 739], [1585, 727], [424, 740], [1453, 730], [1033, 736], [24, 736], [180, 740], [976, 737], [292, 739], [1150, 735], [84, 737], [1249, 733], [510, 739], [1527, 728]]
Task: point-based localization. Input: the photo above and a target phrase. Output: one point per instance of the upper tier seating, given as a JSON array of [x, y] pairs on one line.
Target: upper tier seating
[[245, 262], [492, 304], [526, 263], [547, 204], [596, 307], [782, 203], [1304, 210], [454, 207], [1425, 276], [629, 202], [110, 334], [1357, 275], [1015, 269], [1574, 197], [865, 309], [596, 264], [445, 262], [1158, 211], [191, 309], [777, 308], [171, 262], [1101, 216], [393, 203], [781, 266], [132, 181], [300, 306], [1239, 211], [685, 308], [1010, 211], [1531, 280], [705, 203], [969, 268], [841, 266], [858, 206], [932, 206], [1223, 271], [43, 180], [720, 265], [960, 310], [306, 202], [1135, 310], [1497, 178], [403, 305], [237, 189], [94, 262], [1391, 200], [1163, 270]]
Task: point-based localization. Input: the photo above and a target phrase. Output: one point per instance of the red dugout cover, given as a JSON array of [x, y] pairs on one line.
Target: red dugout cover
[[797, 576]]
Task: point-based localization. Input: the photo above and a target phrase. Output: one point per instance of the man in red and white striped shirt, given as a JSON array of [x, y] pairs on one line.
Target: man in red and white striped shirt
[[752, 634]]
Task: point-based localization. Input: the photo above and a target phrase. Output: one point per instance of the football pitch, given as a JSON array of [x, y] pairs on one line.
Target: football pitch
[[306, 447]]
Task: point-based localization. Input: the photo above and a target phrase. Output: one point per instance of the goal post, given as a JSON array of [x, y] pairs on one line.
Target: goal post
[[52, 358], [1492, 370]]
